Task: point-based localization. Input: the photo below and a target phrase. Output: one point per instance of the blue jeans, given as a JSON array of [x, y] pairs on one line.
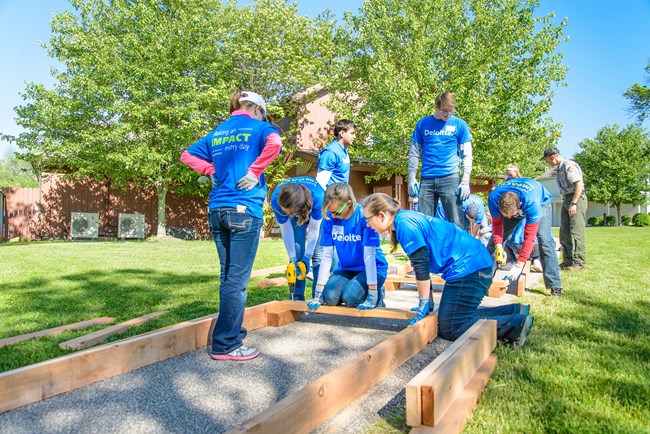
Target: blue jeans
[[546, 243], [236, 236], [459, 309], [300, 238], [443, 189], [348, 287]]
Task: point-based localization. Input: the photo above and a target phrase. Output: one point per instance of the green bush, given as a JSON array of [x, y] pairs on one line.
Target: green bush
[[626, 219], [610, 220], [595, 221], [641, 219]]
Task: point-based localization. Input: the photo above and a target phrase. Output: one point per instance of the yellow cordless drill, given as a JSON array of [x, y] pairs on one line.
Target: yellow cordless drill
[[292, 276]]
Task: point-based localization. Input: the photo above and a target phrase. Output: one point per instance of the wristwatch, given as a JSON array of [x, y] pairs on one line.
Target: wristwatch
[[574, 203]]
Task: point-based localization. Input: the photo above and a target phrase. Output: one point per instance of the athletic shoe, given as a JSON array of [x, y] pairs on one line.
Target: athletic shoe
[[536, 266], [575, 267], [556, 292], [411, 274], [523, 335], [238, 354], [524, 309], [564, 266]]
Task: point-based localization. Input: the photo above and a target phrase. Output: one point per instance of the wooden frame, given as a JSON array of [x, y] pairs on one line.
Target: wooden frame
[[393, 281], [42, 380], [436, 389]]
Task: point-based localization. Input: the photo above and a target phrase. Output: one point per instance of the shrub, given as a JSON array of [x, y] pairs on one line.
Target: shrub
[[598, 221], [610, 220], [592, 221], [626, 219], [641, 219]]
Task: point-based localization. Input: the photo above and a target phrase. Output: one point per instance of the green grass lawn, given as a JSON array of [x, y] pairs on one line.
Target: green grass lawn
[[586, 367]]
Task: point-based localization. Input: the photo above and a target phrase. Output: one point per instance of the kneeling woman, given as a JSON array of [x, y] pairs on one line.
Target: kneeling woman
[[362, 265], [437, 246]]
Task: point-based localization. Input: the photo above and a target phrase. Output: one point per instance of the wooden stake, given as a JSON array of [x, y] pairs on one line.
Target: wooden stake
[[57, 330], [99, 336]]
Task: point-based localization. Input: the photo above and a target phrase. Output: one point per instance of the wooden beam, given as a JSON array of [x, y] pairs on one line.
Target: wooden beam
[[414, 387], [379, 312], [308, 408], [39, 381], [439, 391], [279, 319], [100, 336], [267, 271], [57, 330], [393, 281], [456, 416], [272, 283]]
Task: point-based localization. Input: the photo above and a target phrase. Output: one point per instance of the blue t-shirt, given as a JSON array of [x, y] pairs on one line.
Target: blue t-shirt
[[531, 193], [517, 234], [349, 237], [334, 158], [440, 142], [317, 195], [233, 147], [472, 199], [452, 251]]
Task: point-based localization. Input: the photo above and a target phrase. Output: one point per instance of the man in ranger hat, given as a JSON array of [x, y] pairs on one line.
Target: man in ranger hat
[[573, 215]]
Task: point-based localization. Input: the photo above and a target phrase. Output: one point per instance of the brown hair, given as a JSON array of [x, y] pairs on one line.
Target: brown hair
[[381, 202], [235, 104], [509, 203], [296, 196], [446, 101], [338, 192]]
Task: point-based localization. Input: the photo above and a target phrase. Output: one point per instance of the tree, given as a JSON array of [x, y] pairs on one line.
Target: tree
[[15, 172], [639, 96], [143, 80], [616, 166], [499, 60]]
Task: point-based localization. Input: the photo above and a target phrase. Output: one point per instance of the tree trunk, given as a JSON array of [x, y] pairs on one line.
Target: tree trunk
[[618, 214], [161, 189]]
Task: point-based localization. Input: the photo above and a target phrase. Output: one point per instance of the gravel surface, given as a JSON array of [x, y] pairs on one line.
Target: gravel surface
[[192, 393]]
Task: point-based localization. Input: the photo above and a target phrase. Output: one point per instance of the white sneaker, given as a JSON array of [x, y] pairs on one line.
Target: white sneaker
[[536, 266]]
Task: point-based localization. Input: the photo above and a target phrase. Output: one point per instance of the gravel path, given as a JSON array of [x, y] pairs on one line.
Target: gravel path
[[192, 393]]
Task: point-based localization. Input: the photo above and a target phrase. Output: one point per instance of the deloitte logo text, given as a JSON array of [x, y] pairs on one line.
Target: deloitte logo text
[[438, 133], [341, 237]]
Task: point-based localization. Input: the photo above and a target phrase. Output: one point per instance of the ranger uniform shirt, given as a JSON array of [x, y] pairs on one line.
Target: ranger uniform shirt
[[568, 173]]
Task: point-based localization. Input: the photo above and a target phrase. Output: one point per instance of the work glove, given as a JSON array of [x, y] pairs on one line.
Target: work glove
[[302, 267], [514, 273], [414, 188], [248, 182], [500, 255], [316, 301], [371, 301], [463, 191], [420, 312]]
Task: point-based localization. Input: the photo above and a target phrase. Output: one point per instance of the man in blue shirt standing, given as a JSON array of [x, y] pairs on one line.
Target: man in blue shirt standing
[[334, 161], [442, 140]]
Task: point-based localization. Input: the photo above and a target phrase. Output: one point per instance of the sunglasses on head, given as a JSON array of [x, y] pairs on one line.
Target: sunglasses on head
[[338, 213]]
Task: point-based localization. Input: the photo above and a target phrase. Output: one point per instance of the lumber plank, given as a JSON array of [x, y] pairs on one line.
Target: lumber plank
[[99, 336], [279, 319], [455, 417], [267, 271], [393, 281], [441, 389], [413, 387], [308, 408], [272, 283], [42, 380], [57, 330], [379, 312]]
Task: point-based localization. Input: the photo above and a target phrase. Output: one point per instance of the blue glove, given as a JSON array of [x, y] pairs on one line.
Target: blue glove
[[414, 188], [248, 182], [420, 313], [306, 260], [371, 301], [463, 191], [316, 301]]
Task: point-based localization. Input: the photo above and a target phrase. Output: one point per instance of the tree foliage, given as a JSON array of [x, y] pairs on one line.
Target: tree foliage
[[499, 60], [15, 172], [143, 80], [616, 166], [639, 96]]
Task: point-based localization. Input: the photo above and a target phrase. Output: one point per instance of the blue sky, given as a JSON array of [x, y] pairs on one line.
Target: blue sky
[[608, 49]]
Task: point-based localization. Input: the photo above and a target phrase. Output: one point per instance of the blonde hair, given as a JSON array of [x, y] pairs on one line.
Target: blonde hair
[[235, 103], [446, 101], [296, 196], [514, 168], [338, 192], [381, 202]]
